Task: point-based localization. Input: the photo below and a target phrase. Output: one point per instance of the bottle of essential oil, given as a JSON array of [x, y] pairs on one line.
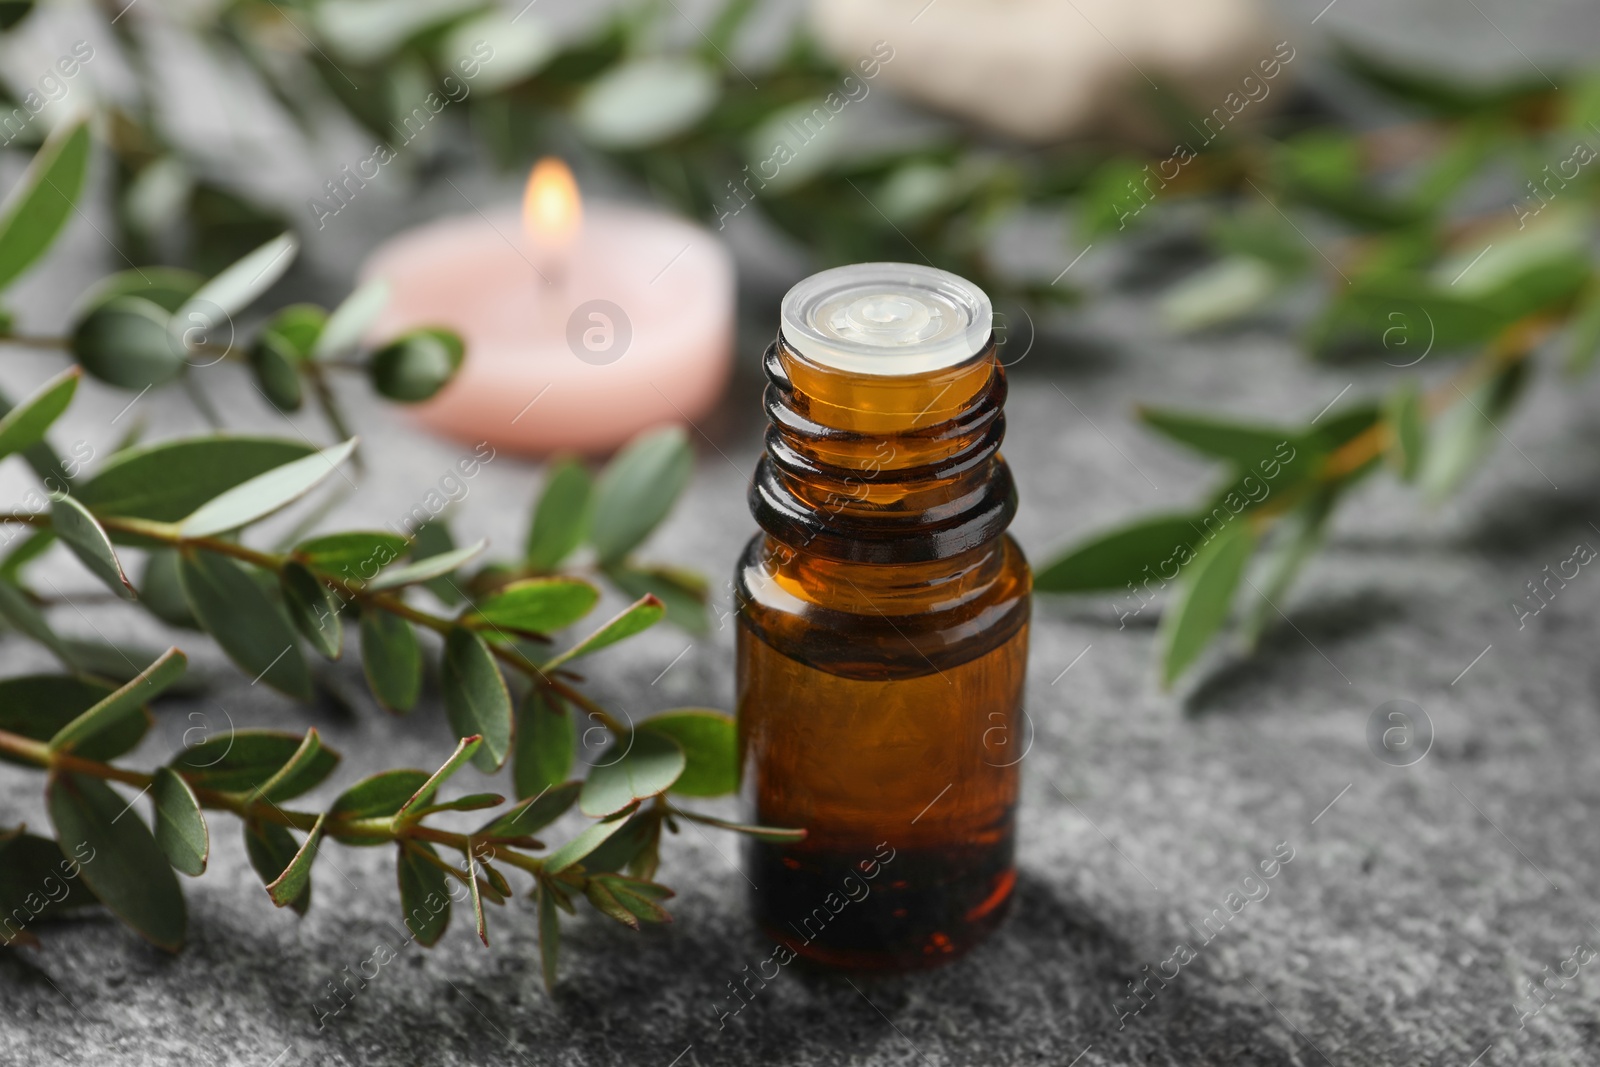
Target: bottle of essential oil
[[883, 623]]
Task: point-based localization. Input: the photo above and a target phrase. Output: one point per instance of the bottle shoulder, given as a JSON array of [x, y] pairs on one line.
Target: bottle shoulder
[[863, 618]]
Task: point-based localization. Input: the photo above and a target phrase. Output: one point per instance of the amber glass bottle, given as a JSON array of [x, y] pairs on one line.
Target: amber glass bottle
[[883, 624]]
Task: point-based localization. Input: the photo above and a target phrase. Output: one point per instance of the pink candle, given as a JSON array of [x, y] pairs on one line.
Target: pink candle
[[583, 326]]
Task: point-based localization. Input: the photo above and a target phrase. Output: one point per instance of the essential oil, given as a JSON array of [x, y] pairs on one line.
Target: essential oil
[[883, 624]]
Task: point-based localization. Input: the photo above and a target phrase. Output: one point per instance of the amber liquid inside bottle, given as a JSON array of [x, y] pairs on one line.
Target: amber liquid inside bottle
[[882, 642]]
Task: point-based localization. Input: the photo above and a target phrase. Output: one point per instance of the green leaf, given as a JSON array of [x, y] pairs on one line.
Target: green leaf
[[296, 329], [424, 569], [265, 493], [1204, 595], [710, 743], [477, 899], [128, 871], [380, 795], [591, 838], [535, 606], [637, 841], [475, 696], [180, 827], [637, 489], [775, 834], [638, 896], [530, 816], [356, 555], [19, 611], [636, 618], [1129, 553], [28, 864], [43, 200], [39, 706], [1297, 537], [470, 802], [1407, 430], [549, 934], [82, 534], [167, 481], [308, 766], [244, 761], [562, 516], [238, 286], [1242, 444], [251, 629], [1464, 433], [160, 592], [351, 319], [25, 424], [34, 545], [312, 608], [125, 342], [272, 849], [165, 287], [1222, 292], [110, 713], [649, 763], [606, 903], [428, 541], [424, 894], [294, 881], [682, 592], [277, 374], [391, 659], [465, 748], [416, 365], [546, 735]]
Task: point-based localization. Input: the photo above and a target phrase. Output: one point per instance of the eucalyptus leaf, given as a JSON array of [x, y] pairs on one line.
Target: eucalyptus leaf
[[355, 555], [589, 839], [647, 763], [391, 659], [475, 697], [82, 534], [274, 364], [1298, 536], [43, 200], [682, 592], [294, 881], [465, 749], [636, 490], [1129, 553], [530, 816], [417, 365], [242, 761], [312, 609], [265, 493], [29, 863], [109, 713], [272, 848], [710, 743], [238, 286], [128, 871], [424, 893], [1407, 425], [351, 319], [166, 481], [305, 768], [378, 796], [125, 342], [249, 627], [561, 518], [26, 619], [180, 828], [40, 706], [1467, 428], [636, 618], [1205, 593], [545, 739], [424, 569], [535, 606], [25, 424]]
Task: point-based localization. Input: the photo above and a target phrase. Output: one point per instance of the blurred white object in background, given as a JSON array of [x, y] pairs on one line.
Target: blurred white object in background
[[1046, 70]]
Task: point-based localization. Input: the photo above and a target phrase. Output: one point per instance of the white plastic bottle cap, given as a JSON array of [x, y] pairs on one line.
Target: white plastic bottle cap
[[886, 319]]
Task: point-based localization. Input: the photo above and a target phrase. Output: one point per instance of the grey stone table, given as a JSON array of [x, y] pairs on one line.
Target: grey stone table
[[1417, 906]]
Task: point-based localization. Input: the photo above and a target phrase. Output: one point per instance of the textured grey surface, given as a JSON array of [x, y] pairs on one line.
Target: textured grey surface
[[1419, 903]]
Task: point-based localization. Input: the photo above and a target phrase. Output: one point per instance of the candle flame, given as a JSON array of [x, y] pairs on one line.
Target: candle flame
[[551, 208]]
